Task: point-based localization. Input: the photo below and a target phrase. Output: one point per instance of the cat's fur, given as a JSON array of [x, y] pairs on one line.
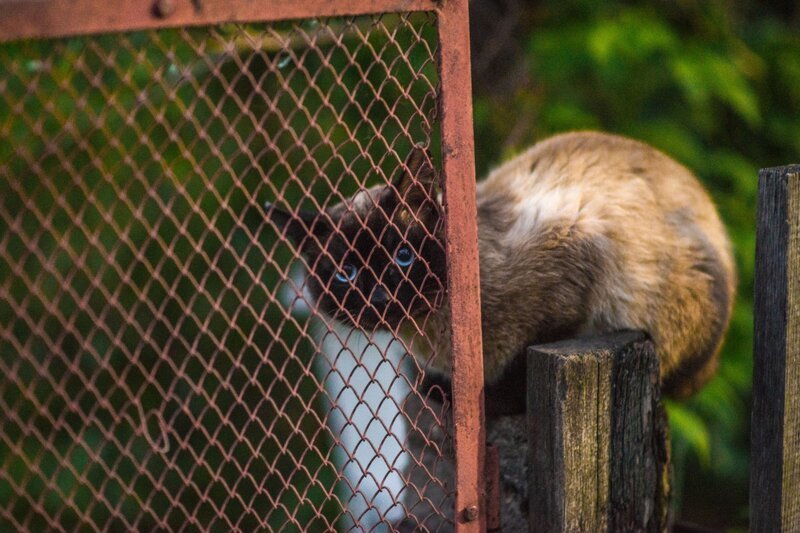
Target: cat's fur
[[583, 233], [366, 230]]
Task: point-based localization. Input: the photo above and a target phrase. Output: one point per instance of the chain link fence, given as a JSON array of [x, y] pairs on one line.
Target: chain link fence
[[168, 356]]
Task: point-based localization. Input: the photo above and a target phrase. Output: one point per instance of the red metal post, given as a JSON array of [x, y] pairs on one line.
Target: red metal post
[[55, 18], [462, 263]]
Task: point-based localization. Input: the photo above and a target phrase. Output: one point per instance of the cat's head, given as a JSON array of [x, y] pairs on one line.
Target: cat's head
[[376, 258]]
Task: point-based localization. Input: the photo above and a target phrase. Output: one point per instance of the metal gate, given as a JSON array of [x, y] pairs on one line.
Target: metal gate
[[168, 356]]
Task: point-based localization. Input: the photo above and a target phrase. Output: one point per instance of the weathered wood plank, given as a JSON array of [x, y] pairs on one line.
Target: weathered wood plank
[[597, 436], [775, 437]]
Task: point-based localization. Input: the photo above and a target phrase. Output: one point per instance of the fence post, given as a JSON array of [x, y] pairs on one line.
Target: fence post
[[463, 285], [597, 434], [775, 437]]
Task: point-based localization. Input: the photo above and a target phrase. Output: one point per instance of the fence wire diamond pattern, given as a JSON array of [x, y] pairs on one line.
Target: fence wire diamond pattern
[[163, 365]]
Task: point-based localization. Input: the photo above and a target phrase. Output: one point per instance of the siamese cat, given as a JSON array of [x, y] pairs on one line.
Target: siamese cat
[[583, 233]]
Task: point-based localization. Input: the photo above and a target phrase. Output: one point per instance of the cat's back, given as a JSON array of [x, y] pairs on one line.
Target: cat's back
[[602, 183], [570, 170], [665, 263]]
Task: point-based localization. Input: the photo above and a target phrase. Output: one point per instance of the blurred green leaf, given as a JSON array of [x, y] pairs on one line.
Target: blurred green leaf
[[704, 75], [688, 426]]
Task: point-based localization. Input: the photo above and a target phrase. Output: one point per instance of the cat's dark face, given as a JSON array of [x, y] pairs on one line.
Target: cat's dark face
[[377, 258]]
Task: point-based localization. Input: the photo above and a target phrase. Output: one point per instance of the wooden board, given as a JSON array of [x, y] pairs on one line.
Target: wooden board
[[775, 437], [597, 436]]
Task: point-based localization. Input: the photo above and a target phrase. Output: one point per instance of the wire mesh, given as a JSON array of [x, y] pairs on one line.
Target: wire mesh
[[168, 349]]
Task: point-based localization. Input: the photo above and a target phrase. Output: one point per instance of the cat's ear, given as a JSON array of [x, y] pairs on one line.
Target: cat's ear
[[416, 181], [296, 225]]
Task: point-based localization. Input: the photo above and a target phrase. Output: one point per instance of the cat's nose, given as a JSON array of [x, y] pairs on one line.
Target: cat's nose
[[379, 295]]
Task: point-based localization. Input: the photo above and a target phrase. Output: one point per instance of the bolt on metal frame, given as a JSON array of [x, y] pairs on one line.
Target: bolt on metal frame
[[53, 273]]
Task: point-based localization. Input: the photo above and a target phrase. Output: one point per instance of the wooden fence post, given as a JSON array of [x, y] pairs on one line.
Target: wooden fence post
[[597, 434], [775, 437]]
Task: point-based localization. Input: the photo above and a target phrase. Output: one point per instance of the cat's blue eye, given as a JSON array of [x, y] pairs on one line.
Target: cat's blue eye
[[404, 257], [346, 274]]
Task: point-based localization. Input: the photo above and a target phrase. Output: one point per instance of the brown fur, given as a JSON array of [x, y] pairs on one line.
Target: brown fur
[[590, 232]]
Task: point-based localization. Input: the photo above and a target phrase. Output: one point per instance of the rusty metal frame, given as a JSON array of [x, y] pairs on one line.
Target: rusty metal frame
[[58, 18], [462, 265]]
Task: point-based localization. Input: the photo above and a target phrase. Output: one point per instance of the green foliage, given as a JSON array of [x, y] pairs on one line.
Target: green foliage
[[709, 84]]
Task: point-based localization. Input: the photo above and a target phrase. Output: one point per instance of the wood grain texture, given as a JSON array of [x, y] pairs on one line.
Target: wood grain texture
[[775, 437], [790, 503], [597, 436]]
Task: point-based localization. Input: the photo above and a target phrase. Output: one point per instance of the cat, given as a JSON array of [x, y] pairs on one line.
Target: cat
[[583, 233], [377, 258]]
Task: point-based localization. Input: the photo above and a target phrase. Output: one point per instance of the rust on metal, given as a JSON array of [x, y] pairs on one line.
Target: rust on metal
[[60, 18], [461, 236]]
